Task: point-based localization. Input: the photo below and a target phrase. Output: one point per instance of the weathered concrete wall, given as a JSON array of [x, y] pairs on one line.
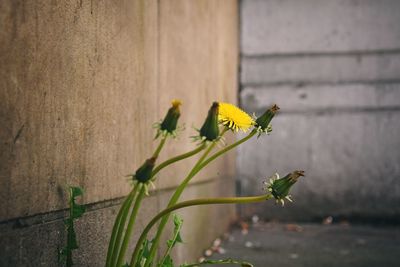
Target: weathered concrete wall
[[334, 69], [81, 84]]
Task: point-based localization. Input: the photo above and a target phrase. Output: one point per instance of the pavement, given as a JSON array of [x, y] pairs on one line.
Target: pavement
[[297, 245]]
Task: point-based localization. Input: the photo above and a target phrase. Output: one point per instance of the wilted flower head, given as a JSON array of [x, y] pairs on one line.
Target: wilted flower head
[[280, 187], [263, 122], [210, 131], [168, 126], [143, 174], [234, 118]]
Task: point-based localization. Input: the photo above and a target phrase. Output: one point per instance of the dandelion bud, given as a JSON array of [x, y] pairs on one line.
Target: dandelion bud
[[280, 187], [171, 119], [143, 174], [210, 131], [264, 120]]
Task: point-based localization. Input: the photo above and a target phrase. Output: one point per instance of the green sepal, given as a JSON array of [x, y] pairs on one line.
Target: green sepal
[[143, 174], [280, 188], [264, 120], [210, 130], [170, 122]]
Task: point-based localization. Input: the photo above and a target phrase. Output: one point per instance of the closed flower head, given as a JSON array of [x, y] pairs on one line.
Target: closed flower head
[[263, 122], [171, 119], [143, 174], [168, 126], [210, 131], [280, 187], [234, 118]]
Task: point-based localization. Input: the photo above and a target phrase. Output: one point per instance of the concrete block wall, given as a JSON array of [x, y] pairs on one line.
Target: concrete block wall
[[334, 69], [81, 84]]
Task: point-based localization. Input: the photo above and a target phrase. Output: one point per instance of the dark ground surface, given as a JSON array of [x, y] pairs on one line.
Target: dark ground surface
[[287, 245]]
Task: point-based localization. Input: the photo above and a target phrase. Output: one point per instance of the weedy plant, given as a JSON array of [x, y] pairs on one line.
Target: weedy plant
[[75, 211], [221, 118]]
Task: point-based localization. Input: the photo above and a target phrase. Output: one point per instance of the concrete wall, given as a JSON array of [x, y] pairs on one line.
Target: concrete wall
[[81, 84], [334, 69]]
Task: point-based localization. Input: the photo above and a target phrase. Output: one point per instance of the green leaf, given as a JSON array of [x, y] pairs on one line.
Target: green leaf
[[168, 262], [75, 211], [76, 191], [144, 253], [176, 238], [72, 243]]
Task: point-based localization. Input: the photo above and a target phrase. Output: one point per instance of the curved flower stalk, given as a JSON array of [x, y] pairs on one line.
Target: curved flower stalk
[[209, 134], [184, 204], [141, 182], [292, 178], [227, 115], [232, 118], [142, 178]]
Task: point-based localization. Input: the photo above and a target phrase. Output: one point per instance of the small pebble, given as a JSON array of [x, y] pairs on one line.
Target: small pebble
[[217, 242], [294, 228], [248, 244], [344, 252], [294, 256], [328, 220], [221, 250], [226, 235], [361, 241], [255, 219], [208, 253]]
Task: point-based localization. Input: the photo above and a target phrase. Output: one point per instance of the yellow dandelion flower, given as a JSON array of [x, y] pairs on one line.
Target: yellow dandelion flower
[[234, 118]]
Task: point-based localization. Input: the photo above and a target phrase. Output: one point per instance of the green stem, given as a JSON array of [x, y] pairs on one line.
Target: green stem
[[174, 199], [120, 221], [160, 146], [177, 158], [70, 233], [129, 228], [194, 202], [119, 226], [169, 248], [226, 149]]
